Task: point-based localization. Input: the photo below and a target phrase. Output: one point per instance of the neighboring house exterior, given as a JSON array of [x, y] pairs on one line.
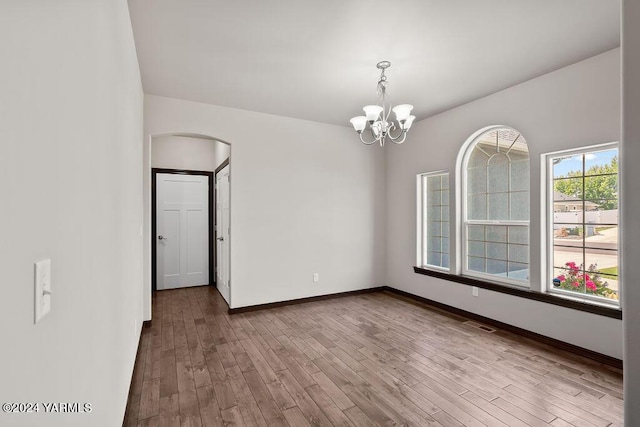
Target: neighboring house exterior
[[565, 203]]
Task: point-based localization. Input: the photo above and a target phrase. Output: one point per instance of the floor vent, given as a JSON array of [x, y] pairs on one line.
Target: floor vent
[[479, 326]]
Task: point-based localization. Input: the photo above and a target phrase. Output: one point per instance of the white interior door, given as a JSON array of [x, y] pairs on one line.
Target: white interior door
[[222, 232], [182, 227]]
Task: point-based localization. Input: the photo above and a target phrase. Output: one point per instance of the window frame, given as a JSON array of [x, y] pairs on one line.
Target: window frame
[[547, 244], [421, 255], [463, 223]]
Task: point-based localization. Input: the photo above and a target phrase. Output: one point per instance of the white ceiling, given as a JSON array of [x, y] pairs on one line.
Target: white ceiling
[[316, 60]]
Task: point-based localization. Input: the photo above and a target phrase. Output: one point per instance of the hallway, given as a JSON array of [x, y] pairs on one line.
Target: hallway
[[370, 359]]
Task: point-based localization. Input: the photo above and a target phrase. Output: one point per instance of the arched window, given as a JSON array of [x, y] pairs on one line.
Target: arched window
[[495, 207]]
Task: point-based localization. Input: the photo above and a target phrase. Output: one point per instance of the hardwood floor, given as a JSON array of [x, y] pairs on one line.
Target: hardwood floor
[[370, 359]]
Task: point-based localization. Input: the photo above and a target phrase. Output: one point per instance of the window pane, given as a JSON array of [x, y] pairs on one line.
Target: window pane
[[434, 213], [520, 175], [497, 267], [597, 162], [585, 224], [563, 165], [602, 260], [565, 255], [444, 181], [519, 235], [476, 264], [498, 206], [434, 198], [434, 183], [602, 205], [435, 251], [496, 233], [477, 207], [434, 258], [489, 252], [497, 251], [568, 194], [477, 158], [434, 228], [518, 271], [600, 187], [567, 233], [476, 232], [498, 175], [445, 197], [445, 212], [519, 253], [476, 249], [520, 206], [477, 180], [434, 244], [497, 186]]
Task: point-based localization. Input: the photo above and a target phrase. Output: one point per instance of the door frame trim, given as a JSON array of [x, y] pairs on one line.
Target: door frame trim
[[154, 250], [215, 234]]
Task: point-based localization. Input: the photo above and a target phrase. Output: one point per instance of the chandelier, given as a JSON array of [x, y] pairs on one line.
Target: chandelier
[[377, 116]]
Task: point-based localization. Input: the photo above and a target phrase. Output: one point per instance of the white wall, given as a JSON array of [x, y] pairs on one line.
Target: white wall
[[70, 174], [576, 106], [221, 152], [631, 206], [189, 153], [305, 197]]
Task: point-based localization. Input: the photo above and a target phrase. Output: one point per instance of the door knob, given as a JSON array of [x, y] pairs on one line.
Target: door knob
[[220, 238], [161, 237]]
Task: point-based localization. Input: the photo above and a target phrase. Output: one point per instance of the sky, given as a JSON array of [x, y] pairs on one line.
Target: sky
[[574, 163]]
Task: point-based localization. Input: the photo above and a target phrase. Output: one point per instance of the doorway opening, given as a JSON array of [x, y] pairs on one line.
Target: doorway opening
[[189, 157], [222, 229]]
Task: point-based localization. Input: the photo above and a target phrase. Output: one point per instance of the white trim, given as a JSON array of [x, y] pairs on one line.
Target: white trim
[[149, 137], [591, 299], [519, 223], [546, 239], [419, 219]]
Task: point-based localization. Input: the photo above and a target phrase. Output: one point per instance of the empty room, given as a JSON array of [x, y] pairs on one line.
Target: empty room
[[338, 213]]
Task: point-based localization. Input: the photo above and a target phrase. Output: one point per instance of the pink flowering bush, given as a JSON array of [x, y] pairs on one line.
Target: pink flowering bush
[[589, 281]]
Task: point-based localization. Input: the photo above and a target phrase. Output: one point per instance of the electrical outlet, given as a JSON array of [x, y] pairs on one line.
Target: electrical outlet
[[474, 291], [316, 277], [42, 289]]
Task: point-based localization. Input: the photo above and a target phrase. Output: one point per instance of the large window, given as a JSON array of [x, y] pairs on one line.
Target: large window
[[433, 202], [495, 200], [582, 204]]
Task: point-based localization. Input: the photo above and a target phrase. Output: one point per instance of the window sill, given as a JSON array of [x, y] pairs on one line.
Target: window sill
[[601, 310]]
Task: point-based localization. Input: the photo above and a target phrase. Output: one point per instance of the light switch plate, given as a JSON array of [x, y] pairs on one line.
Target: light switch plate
[[42, 289]]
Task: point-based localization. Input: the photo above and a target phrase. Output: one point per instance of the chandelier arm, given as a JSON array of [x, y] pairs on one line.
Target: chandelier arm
[[365, 142], [393, 126], [396, 139]]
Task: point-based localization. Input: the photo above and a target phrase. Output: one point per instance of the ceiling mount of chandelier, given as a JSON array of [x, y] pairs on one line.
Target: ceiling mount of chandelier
[[377, 116]]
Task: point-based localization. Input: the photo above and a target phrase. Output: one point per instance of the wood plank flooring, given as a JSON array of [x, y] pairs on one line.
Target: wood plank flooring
[[366, 360]]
